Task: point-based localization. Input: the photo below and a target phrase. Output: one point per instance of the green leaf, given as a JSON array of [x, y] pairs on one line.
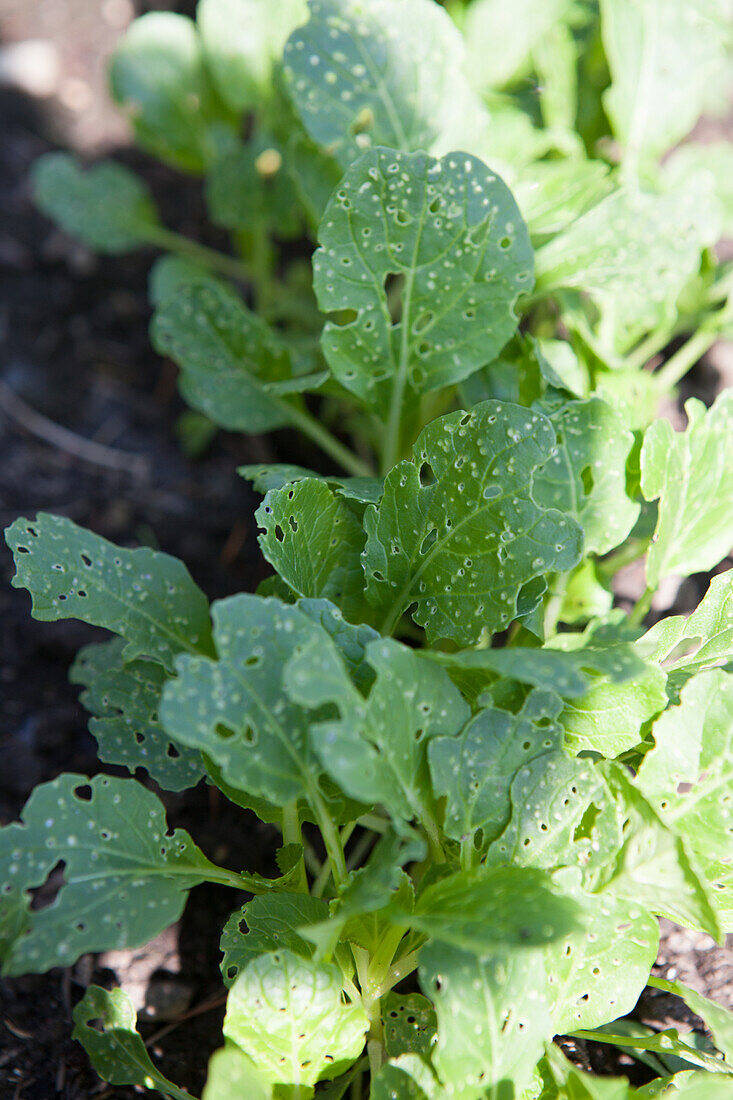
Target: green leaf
[[395, 1083], [688, 645], [586, 476], [124, 700], [231, 1073], [551, 194], [124, 878], [716, 158], [688, 778], [474, 771], [386, 73], [276, 475], [351, 641], [585, 596], [463, 547], [667, 59], [272, 921], [158, 75], [690, 472], [170, 274], [410, 1024], [106, 206], [451, 231], [717, 1018], [231, 361], [145, 596], [251, 186], [234, 708], [288, 1014], [242, 41], [500, 40], [116, 1050], [314, 541], [610, 717], [493, 1017], [376, 752]]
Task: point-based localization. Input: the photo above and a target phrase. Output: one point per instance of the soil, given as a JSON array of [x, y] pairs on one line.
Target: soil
[[78, 357]]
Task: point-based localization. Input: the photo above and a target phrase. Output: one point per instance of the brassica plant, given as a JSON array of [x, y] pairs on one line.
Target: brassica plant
[[489, 780]]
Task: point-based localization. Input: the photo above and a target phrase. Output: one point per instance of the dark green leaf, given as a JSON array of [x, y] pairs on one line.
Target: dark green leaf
[[267, 923]]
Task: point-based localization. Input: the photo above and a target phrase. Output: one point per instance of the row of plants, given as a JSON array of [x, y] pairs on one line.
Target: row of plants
[[490, 781]]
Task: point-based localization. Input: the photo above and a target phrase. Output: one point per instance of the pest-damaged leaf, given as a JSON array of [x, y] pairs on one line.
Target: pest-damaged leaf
[[410, 1024], [117, 1051], [288, 1015], [124, 699], [438, 243], [145, 596], [351, 641], [688, 778], [234, 709], [586, 477], [242, 41], [276, 475], [271, 922], [608, 719], [474, 771], [158, 74], [124, 876], [234, 368], [231, 1073], [691, 473], [106, 206], [463, 546], [384, 73], [376, 751], [314, 541]]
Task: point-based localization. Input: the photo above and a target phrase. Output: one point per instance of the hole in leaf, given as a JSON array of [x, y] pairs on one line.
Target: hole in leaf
[[293, 523], [83, 793], [394, 285], [343, 317], [586, 476], [86, 559], [427, 477], [279, 533], [224, 732], [422, 321], [172, 751], [46, 894], [429, 540]]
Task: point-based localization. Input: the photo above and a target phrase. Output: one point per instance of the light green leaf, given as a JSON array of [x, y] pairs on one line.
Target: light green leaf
[[395, 1083], [586, 476], [376, 752], [125, 879], [158, 75], [500, 38], [493, 1017], [351, 641], [451, 231], [252, 186], [464, 546], [231, 361], [170, 274], [231, 1073], [410, 1024], [688, 645], [288, 1014], [124, 700], [716, 158], [116, 1050], [384, 73], [145, 596], [474, 771], [717, 1018], [272, 921], [314, 541], [106, 206], [275, 475], [688, 778], [555, 61], [667, 59], [242, 41], [553, 193], [610, 717], [234, 708], [691, 473]]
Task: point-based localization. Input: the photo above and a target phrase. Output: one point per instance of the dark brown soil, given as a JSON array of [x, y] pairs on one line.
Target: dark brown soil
[[77, 352]]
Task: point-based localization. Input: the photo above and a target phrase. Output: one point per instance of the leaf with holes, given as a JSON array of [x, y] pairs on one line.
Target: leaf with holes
[[428, 258], [493, 1017], [610, 718], [586, 477], [276, 475], [242, 41], [288, 1014], [106, 207], [463, 547], [234, 368], [691, 473], [716, 1017], [688, 778], [314, 541], [234, 709], [124, 700], [376, 751], [474, 771], [384, 73], [410, 1024], [116, 1050], [158, 73], [271, 922], [124, 879], [351, 641], [145, 596], [395, 1082]]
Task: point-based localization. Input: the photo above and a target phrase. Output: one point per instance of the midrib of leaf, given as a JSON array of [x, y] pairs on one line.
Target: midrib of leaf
[[394, 612], [382, 91]]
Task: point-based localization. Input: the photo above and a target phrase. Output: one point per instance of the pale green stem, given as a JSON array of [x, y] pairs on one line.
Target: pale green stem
[[398, 971], [632, 551], [685, 358], [391, 449], [293, 835], [331, 839], [651, 1042], [328, 443], [360, 850], [554, 604], [641, 607], [182, 246]]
